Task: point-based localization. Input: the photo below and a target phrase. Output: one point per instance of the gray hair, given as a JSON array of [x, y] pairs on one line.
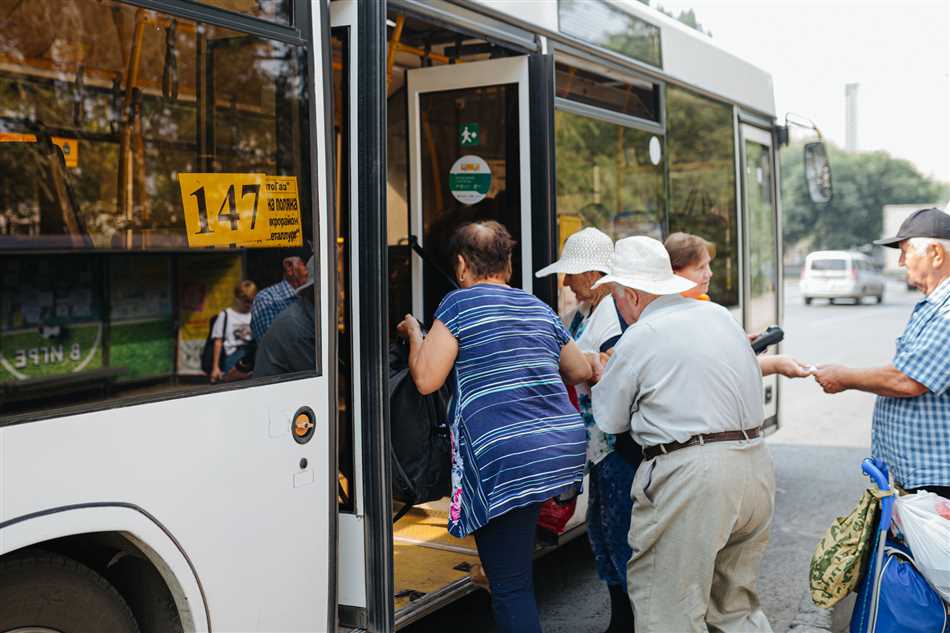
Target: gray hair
[[921, 244]]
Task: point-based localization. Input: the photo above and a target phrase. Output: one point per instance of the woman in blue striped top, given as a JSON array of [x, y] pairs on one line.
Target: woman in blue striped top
[[516, 438]]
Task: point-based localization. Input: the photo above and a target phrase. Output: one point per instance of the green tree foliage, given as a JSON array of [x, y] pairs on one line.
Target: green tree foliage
[[863, 183]]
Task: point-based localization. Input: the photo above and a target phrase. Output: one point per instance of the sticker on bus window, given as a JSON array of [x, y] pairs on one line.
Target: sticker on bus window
[[70, 147], [231, 210], [470, 179]]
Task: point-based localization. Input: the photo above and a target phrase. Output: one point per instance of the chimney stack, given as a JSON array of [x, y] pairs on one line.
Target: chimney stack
[[851, 117]]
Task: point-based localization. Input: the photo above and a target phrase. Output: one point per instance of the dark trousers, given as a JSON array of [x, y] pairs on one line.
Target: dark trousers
[[608, 517], [506, 548]]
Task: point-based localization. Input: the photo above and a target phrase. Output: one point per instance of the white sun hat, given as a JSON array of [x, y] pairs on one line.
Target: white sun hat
[[586, 250], [643, 263]]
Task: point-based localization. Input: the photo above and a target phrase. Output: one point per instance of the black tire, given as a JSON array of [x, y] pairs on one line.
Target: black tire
[[879, 299], [807, 301], [45, 590]]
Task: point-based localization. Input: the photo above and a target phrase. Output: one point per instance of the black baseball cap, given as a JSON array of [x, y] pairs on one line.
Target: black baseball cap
[[930, 222]]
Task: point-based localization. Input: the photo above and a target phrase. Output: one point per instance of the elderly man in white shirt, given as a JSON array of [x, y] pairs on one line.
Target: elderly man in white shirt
[[685, 383]]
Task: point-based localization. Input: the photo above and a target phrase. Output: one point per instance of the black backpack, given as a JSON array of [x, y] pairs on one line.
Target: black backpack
[[421, 448], [207, 352]]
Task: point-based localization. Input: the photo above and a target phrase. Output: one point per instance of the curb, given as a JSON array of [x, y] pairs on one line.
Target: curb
[[812, 619]]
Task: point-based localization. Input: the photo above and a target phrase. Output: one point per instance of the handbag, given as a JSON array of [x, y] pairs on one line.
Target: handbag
[[841, 556], [906, 603], [555, 514]]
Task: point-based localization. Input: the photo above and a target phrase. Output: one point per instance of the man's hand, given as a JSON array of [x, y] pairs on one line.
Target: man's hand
[[831, 378], [783, 365]]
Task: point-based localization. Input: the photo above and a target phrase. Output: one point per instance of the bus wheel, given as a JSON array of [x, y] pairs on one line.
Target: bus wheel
[[807, 301], [43, 591]]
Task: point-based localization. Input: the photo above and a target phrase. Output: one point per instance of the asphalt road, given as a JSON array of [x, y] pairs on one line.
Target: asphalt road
[[817, 455]]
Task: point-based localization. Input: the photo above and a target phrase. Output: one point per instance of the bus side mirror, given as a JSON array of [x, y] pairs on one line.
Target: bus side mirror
[[818, 173]]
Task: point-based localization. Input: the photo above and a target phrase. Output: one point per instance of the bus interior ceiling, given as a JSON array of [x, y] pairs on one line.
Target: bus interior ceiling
[[426, 557]]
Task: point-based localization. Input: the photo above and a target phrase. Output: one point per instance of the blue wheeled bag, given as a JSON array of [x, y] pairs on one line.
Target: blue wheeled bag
[[894, 597]]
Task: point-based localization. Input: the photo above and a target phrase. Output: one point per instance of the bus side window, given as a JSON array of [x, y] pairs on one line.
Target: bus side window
[[141, 206], [701, 139]]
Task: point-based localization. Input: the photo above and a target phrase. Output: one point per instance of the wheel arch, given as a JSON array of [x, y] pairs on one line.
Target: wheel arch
[[101, 535]]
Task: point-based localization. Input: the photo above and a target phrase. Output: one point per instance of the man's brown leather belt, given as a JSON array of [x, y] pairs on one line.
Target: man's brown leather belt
[[650, 452]]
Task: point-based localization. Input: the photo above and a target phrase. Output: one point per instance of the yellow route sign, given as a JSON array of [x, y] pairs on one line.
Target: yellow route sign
[[70, 146], [253, 210]]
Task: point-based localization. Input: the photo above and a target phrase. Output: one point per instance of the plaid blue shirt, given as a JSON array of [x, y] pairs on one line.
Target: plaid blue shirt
[[912, 435], [268, 303]]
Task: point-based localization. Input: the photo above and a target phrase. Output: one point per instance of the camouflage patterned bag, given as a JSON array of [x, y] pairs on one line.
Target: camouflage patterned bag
[[840, 559]]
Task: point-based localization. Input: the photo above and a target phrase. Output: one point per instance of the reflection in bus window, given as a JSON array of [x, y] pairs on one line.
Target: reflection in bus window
[[600, 23], [270, 10], [609, 177], [151, 164], [700, 138]]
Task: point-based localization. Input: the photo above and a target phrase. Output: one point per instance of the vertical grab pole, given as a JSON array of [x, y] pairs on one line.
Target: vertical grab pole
[[877, 471]]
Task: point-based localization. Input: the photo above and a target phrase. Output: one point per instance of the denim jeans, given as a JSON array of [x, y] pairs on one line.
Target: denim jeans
[[506, 549]]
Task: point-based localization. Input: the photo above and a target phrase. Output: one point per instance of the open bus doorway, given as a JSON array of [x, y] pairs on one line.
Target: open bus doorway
[[460, 146], [456, 154]]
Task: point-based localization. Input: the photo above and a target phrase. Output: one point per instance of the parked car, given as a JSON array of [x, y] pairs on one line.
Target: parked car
[[841, 275]]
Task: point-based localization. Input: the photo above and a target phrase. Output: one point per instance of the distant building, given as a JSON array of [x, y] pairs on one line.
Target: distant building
[[894, 215]]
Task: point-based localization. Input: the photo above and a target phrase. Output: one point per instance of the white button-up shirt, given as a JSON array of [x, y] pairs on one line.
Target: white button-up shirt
[[685, 368]]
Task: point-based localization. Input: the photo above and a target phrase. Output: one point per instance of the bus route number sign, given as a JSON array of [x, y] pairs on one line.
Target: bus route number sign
[[230, 210]]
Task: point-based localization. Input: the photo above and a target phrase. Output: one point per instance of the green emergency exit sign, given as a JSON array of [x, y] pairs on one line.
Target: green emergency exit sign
[[469, 135]]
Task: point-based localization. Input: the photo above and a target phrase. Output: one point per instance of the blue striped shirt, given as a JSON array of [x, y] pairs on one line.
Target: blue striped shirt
[[516, 438], [912, 435]]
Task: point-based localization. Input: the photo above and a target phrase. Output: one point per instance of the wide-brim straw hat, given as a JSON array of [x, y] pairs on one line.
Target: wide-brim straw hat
[[584, 251], [643, 263]]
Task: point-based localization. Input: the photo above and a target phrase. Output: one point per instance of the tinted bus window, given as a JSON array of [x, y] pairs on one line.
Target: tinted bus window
[[701, 141], [640, 99], [610, 177], [597, 22], [157, 176]]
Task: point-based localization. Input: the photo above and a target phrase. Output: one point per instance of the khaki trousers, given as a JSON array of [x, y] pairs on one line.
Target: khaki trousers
[[699, 528]]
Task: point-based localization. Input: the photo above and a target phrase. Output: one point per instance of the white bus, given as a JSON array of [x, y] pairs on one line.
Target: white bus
[[155, 154]]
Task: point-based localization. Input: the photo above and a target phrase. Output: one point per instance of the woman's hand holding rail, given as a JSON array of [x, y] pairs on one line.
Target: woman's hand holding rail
[[431, 357]]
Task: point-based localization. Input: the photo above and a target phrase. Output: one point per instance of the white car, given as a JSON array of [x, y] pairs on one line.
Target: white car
[[841, 275]]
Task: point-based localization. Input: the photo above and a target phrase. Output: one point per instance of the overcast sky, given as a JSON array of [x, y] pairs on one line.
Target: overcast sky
[[898, 50]]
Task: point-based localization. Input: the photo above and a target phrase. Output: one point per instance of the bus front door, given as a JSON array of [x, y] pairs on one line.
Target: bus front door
[[474, 140], [762, 247]]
